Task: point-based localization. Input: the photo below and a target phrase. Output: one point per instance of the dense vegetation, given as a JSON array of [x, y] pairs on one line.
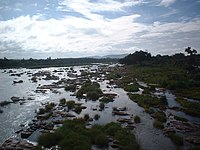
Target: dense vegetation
[[74, 135], [39, 63], [178, 72], [91, 89]]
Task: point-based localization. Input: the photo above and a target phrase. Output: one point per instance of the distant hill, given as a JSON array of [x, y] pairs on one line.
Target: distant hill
[[116, 56]]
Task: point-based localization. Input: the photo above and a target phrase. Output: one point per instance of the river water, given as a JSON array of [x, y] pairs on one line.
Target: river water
[[16, 115]]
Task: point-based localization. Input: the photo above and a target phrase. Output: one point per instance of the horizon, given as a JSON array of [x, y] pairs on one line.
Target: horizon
[[79, 29]]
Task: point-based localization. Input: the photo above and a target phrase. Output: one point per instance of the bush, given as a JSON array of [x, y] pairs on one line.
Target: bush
[[176, 139], [106, 99], [101, 140], [41, 111], [137, 119], [96, 116], [4, 103], [86, 117], [180, 119], [71, 88], [70, 104], [93, 95], [102, 106], [49, 139], [63, 101], [78, 109], [160, 116], [158, 124], [91, 89], [49, 106]]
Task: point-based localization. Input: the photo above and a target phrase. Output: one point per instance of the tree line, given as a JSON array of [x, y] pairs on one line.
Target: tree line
[[60, 62], [191, 61]]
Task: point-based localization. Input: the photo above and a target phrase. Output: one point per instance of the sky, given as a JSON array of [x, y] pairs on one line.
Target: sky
[[82, 28]]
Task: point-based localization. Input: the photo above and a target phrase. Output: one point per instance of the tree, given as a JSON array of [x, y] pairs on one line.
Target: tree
[[190, 51]]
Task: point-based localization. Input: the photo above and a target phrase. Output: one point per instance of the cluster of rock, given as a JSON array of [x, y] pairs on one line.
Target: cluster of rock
[[16, 144]]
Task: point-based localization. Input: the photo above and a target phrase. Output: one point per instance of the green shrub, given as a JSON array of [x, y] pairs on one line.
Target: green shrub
[[102, 106], [70, 104], [78, 109], [86, 117], [91, 89], [101, 140], [4, 103], [158, 124], [106, 99], [41, 111], [137, 119], [160, 116], [93, 95], [71, 88], [49, 139], [131, 88], [96, 116], [180, 118], [49, 106], [63, 101]]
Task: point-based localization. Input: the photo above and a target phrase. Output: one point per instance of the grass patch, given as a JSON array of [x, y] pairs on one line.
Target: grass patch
[[191, 108], [147, 101], [134, 87], [106, 99], [180, 118], [4, 103], [102, 106], [70, 104], [74, 135], [157, 124], [63, 101], [71, 88], [96, 116], [137, 119], [160, 116], [91, 89]]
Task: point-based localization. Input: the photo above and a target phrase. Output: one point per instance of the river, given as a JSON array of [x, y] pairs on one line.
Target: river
[[17, 115]]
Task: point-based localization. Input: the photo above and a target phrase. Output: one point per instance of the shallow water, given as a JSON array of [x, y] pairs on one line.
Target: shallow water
[[15, 115]]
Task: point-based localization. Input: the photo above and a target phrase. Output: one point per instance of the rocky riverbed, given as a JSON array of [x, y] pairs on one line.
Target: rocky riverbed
[[36, 96]]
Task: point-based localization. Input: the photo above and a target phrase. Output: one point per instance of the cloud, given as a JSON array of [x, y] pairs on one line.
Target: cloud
[[167, 3], [93, 32]]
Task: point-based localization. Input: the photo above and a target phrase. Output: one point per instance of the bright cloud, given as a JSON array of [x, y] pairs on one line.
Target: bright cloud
[[87, 28], [167, 3]]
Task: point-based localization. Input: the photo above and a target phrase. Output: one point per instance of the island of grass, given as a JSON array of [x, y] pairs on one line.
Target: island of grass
[[147, 101], [74, 135], [191, 108], [91, 90]]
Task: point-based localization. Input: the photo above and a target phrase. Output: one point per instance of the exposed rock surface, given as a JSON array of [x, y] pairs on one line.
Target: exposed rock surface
[[15, 144]]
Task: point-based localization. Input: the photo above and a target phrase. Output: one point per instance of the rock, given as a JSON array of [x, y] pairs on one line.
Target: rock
[[70, 115], [169, 130], [16, 144], [123, 120], [83, 107], [16, 99], [25, 134], [130, 127], [20, 81], [120, 113], [4, 103], [114, 146], [193, 139]]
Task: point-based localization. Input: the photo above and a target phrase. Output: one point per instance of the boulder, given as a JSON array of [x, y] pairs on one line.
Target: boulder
[[25, 134]]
